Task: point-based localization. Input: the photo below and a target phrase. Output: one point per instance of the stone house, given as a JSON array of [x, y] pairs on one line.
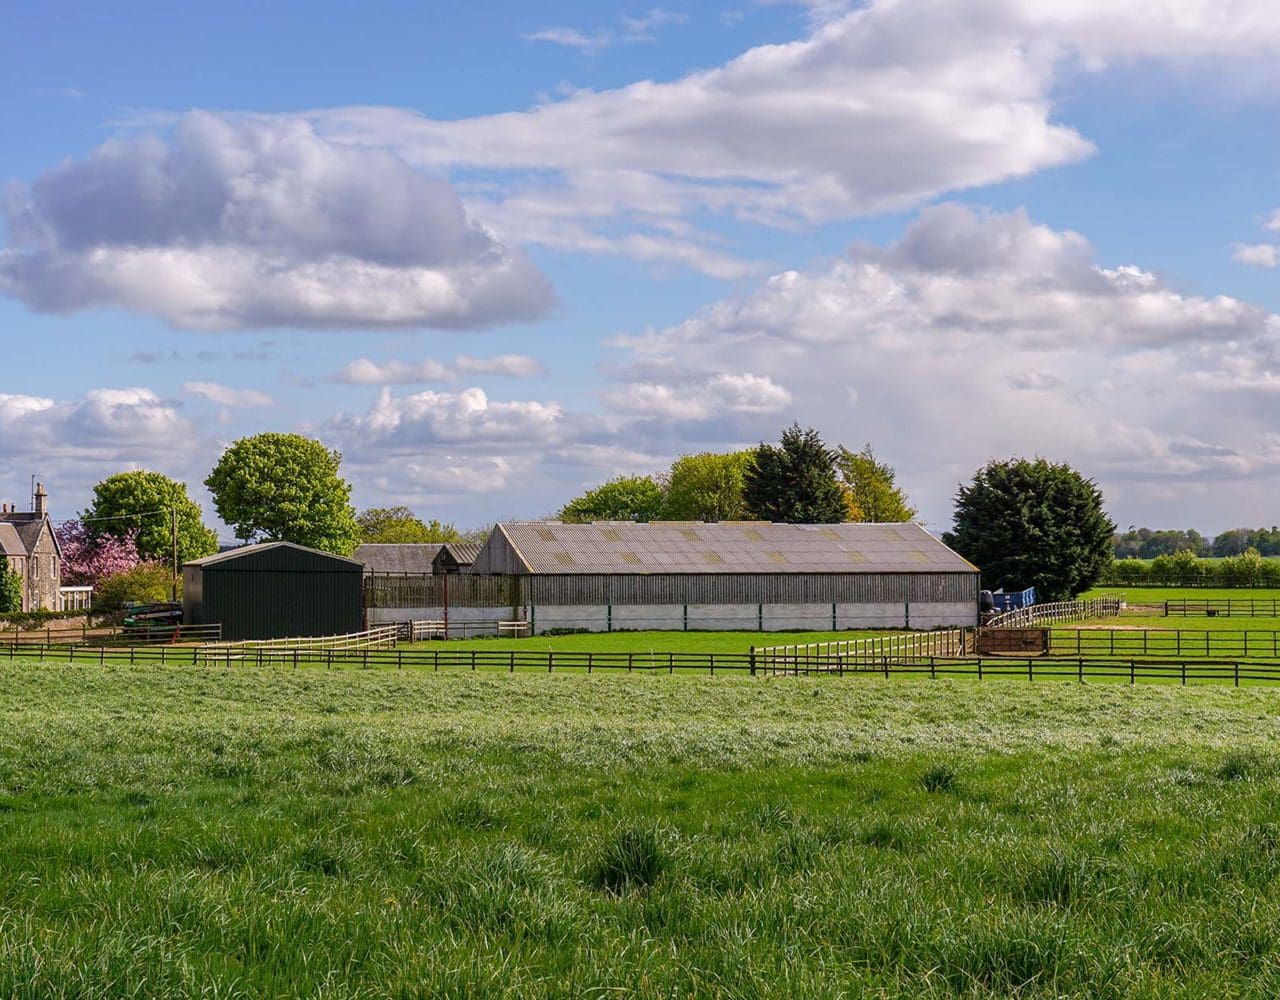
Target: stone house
[[29, 545]]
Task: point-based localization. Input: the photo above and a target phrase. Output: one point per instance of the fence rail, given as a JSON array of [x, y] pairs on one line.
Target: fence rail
[[135, 635], [1185, 670], [1208, 643], [1230, 608], [382, 637], [856, 652], [1058, 611]]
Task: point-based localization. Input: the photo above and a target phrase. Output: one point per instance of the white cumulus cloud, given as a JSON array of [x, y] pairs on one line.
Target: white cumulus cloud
[[252, 221]]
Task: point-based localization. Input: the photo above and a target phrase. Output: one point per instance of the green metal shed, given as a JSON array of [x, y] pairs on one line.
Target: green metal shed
[[274, 590]]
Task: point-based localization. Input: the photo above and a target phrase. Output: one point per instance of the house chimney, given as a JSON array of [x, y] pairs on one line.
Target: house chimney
[[41, 500]]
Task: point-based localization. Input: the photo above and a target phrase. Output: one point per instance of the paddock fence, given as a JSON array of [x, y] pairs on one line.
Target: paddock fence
[[1058, 611], [853, 653], [136, 635], [1231, 608], [302, 649], [1209, 643], [1187, 670]]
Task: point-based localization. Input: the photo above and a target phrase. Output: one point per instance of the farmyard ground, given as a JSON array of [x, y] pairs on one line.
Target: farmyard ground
[[367, 834]]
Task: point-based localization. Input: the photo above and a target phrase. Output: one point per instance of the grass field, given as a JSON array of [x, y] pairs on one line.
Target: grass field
[[350, 833], [653, 641], [1158, 595]]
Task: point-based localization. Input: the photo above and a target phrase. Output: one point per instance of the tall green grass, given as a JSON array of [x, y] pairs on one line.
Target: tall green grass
[[178, 833]]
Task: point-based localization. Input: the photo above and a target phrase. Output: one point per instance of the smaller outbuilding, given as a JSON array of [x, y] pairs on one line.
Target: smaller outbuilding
[[274, 590], [398, 558], [456, 557]]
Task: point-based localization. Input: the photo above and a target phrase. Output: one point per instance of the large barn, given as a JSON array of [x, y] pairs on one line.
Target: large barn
[[606, 576], [274, 590]]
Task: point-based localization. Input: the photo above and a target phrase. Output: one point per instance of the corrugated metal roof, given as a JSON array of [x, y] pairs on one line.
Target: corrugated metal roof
[[464, 553], [247, 550], [729, 547], [385, 557]]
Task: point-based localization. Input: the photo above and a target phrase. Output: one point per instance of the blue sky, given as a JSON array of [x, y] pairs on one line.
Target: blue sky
[[498, 252]]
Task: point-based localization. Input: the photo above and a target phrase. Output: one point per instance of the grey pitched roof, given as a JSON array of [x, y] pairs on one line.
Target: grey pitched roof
[[245, 550], [728, 547], [10, 542], [397, 558], [464, 553], [28, 528]]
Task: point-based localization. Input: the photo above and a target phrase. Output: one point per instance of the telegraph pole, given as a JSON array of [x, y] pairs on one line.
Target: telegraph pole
[[173, 541]]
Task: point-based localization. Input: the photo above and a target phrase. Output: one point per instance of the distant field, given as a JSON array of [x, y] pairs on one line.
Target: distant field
[[1158, 595], [354, 834]]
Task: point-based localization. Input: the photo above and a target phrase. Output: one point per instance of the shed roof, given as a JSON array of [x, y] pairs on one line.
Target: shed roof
[[388, 557], [302, 555], [721, 547], [464, 553]]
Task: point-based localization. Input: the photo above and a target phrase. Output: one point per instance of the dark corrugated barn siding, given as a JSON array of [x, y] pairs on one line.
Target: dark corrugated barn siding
[[274, 592]]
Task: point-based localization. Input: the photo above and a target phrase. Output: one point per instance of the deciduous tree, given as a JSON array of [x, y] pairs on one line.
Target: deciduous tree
[[390, 525], [626, 498], [872, 487], [795, 481], [1035, 524], [140, 505], [707, 487], [285, 487], [146, 583], [87, 561], [10, 589]]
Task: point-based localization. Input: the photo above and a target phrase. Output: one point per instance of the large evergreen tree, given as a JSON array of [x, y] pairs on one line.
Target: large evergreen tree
[[795, 481], [1033, 524]]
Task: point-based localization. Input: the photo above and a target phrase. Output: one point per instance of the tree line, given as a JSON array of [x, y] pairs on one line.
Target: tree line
[[797, 481], [1024, 522], [1248, 569], [1145, 543]]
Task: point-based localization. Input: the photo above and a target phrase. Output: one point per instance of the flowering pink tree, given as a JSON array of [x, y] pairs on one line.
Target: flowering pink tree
[[87, 561]]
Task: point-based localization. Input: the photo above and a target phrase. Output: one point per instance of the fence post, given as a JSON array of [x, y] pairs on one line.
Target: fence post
[[1237, 666], [1131, 672], [751, 660], [1184, 673], [979, 668]]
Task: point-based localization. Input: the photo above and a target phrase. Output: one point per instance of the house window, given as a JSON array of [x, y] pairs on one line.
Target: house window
[[35, 567]]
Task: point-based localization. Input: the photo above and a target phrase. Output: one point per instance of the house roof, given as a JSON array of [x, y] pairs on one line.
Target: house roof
[[727, 547], [386, 557], [232, 555], [28, 528], [10, 542]]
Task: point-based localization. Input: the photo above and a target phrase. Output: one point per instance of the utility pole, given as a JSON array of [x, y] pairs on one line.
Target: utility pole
[[173, 541]]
